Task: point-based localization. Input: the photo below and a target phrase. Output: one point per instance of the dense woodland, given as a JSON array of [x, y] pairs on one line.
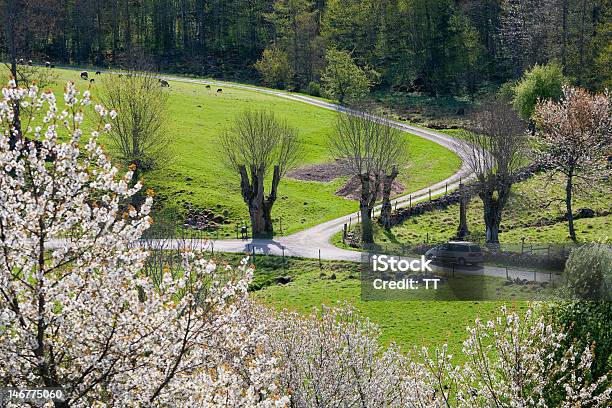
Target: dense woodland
[[441, 47]]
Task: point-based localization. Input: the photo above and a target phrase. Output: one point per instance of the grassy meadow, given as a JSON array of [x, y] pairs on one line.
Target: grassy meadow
[[197, 175], [409, 324], [198, 116], [534, 212]]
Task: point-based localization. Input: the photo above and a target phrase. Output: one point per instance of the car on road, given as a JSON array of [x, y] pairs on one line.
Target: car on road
[[461, 253]]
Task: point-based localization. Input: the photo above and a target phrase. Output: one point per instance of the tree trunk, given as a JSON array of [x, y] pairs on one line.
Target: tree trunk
[[492, 215], [492, 221], [260, 207], [463, 230], [365, 207], [385, 212], [564, 12], [367, 236], [11, 31], [259, 224], [568, 205]]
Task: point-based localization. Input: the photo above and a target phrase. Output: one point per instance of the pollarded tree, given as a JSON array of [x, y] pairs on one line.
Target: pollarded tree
[[372, 150], [139, 135], [77, 310], [496, 144], [574, 138], [259, 144]]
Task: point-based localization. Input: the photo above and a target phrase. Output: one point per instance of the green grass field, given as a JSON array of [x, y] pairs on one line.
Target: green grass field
[[417, 323], [534, 212], [197, 175]]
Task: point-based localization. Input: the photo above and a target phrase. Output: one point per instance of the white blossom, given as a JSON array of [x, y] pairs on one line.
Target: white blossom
[[84, 315]]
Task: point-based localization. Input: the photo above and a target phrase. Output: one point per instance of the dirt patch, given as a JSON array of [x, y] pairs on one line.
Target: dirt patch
[[320, 172], [352, 189]]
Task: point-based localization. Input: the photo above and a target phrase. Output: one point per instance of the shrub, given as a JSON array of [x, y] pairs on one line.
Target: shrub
[[313, 88], [343, 80], [541, 83], [274, 68], [588, 273], [507, 91]]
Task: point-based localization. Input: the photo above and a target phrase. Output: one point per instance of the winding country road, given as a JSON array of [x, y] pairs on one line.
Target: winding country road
[[314, 242]]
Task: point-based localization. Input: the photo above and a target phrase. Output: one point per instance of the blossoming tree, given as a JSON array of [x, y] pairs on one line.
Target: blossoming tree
[[574, 138], [333, 358], [76, 309]]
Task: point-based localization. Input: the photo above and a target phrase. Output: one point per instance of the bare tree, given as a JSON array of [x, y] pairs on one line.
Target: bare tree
[[257, 144], [139, 135], [12, 11], [496, 142], [574, 138], [23, 23], [372, 151]]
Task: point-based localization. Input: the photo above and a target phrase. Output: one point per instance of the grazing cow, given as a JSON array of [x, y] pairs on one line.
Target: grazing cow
[[20, 62], [30, 62], [219, 90], [91, 81], [207, 86], [98, 73], [164, 83], [84, 75], [52, 66], [47, 64]]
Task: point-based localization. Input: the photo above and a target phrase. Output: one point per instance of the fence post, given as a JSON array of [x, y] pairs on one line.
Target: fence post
[[280, 221], [283, 258], [507, 276], [430, 194], [446, 188], [427, 239], [522, 244], [320, 264]]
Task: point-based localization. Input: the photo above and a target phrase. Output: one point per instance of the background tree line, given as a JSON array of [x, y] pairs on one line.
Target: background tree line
[[440, 47]]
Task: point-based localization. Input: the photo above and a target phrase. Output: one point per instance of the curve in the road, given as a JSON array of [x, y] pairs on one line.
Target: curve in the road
[[315, 242]]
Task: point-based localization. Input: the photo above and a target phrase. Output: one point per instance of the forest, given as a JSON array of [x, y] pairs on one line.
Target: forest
[[438, 47]]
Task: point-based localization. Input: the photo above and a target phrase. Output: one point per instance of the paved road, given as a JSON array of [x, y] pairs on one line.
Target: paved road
[[314, 242]]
